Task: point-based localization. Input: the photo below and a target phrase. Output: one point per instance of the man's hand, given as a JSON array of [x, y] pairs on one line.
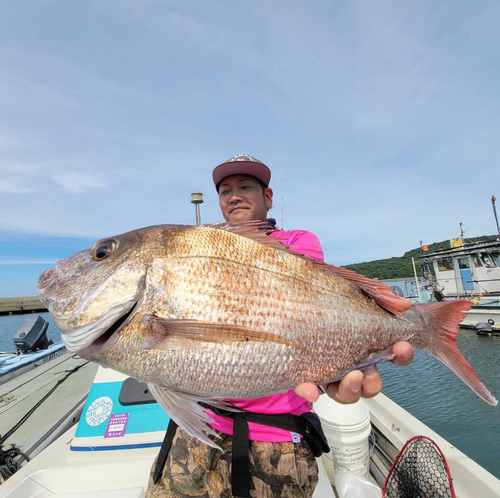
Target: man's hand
[[357, 384]]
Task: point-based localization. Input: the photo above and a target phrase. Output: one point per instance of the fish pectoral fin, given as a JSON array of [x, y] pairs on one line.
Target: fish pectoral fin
[[185, 410], [164, 330], [378, 291]]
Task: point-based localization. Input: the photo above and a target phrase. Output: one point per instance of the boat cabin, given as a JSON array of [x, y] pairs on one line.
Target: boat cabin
[[470, 270]]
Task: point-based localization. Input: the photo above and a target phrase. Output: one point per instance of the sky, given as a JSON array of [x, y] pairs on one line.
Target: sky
[[379, 120]]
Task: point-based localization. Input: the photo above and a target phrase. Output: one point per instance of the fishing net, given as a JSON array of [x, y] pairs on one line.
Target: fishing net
[[420, 470], [9, 463]]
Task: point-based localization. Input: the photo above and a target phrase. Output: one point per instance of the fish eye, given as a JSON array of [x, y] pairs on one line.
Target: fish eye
[[103, 249]]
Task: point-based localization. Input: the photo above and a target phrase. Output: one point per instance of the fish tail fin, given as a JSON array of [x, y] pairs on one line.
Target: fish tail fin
[[446, 317]]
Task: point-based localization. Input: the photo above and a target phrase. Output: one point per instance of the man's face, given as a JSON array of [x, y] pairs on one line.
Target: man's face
[[241, 198]]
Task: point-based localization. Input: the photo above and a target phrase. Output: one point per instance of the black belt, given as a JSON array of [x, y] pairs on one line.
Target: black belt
[[308, 425]]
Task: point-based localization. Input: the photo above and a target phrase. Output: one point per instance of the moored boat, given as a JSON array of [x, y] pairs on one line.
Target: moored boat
[[466, 271], [33, 349], [484, 317], [470, 271], [13, 364]]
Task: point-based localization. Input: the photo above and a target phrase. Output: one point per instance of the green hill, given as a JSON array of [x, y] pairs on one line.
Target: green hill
[[401, 267]]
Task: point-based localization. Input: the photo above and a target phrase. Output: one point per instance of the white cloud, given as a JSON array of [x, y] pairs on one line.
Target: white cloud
[[20, 169], [76, 181], [12, 187]]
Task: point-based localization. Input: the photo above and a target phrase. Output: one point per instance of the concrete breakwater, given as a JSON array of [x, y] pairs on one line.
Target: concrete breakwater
[[21, 305]]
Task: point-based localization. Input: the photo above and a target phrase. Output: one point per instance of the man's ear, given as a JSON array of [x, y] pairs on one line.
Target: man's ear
[[268, 194]]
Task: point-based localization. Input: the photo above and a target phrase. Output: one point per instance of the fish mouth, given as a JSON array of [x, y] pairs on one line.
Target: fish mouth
[[98, 344], [81, 337], [101, 340]]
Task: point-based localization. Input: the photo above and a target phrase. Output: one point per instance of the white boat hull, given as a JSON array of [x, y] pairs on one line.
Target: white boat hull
[[13, 365], [482, 315]]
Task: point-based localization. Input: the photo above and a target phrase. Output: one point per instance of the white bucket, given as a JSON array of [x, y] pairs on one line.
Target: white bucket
[[347, 428]]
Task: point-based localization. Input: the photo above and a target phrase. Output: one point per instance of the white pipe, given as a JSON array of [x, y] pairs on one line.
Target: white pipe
[[416, 280]]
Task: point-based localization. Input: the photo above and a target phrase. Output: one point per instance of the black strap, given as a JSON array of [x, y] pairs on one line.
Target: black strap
[[284, 421], [240, 461], [308, 425], [164, 450]]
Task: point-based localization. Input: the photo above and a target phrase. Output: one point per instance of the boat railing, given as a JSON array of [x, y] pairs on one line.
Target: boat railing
[[382, 455]]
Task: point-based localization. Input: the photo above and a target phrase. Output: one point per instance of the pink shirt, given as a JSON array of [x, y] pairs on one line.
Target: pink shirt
[[308, 244]]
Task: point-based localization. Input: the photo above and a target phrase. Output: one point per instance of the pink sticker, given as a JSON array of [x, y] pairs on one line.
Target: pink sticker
[[117, 425]]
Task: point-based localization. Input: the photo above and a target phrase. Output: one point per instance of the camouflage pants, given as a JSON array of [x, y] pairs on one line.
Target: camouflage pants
[[194, 469]]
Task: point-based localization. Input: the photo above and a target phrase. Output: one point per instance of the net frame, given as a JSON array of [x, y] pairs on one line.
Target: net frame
[[400, 458]]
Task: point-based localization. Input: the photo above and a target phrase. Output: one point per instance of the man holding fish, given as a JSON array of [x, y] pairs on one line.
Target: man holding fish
[[282, 463], [233, 326]]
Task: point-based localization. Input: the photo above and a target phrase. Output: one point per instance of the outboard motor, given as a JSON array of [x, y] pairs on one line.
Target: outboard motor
[[31, 334], [483, 328]]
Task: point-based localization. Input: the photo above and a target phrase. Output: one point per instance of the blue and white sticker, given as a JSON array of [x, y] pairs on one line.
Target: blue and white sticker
[[98, 411], [295, 437]]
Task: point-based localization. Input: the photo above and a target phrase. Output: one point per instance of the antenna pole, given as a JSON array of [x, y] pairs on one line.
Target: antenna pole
[[416, 280], [283, 186], [493, 199]]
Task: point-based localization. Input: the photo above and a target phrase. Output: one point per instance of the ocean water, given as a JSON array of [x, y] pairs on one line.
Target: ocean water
[[435, 395], [427, 389]]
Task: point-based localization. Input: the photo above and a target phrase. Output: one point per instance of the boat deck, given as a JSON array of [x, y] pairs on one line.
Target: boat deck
[[73, 377]]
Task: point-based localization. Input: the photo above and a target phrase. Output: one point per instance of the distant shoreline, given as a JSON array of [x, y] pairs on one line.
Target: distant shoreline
[[21, 305]]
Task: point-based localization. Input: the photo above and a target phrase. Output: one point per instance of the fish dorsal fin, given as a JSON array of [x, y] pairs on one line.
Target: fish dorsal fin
[[184, 408], [378, 291], [255, 230]]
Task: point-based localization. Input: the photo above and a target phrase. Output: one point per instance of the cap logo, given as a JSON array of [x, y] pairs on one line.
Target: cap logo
[[243, 157]]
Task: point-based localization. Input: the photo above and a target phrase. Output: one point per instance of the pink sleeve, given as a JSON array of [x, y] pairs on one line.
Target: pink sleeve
[[301, 241]]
